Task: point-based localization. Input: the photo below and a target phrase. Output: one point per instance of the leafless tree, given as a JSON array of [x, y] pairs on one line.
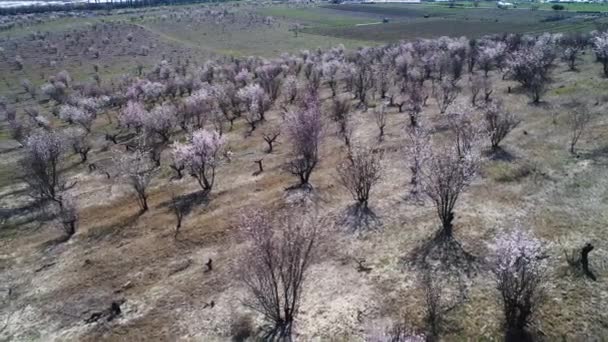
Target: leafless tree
[[363, 82], [359, 172], [578, 120], [380, 119], [77, 138], [270, 136], [341, 110], [445, 176], [136, 169], [416, 100], [445, 93], [488, 89], [178, 211], [28, 87], [476, 83], [572, 45], [67, 216], [275, 263], [418, 150], [499, 123]]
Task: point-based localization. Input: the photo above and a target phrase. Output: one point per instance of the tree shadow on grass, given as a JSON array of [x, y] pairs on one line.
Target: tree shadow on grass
[[185, 203], [112, 229], [500, 154], [359, 219], [599, 154], [445, 254]]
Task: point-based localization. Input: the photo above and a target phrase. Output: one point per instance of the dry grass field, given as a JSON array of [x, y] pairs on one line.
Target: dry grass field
[[49, 289]]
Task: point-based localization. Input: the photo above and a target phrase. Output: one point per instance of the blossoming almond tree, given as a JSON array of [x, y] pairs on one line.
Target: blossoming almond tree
[[201, 156], [600, 47], [519, 266], [41, 165], [303, 127]]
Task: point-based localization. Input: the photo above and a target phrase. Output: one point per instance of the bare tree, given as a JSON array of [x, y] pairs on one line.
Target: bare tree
[[67, 216], [77, 138], [578, 120], [466, 127], [418, 149], [476, 83], [341, 110], [359, 172], [380, 119], [136, 169], [178, 211], [270, 136], [275, 263], [416, 100], [445, 176], [363, 82], [445, 93], [498, 123]]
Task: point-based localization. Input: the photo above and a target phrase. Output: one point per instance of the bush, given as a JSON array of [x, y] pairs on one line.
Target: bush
[[558, 7]]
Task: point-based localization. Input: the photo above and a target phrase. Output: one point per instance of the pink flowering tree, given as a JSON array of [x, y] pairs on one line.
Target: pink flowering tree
[[196, 107], [41, 165], [243, 78], [256, 103], [600, 47], [268, 75], [160, 120], [519, 266], [490, 55], [291, 87], [530, 66], [132, 115], [276, 259], [304, 127], [76, 115], [227, 101], [201, 156]]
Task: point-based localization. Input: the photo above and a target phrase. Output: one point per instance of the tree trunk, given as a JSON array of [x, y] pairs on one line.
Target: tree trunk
[[585, 260]]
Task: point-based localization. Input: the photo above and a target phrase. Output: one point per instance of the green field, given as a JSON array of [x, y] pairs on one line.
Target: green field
[[410, 21], [581, 7]]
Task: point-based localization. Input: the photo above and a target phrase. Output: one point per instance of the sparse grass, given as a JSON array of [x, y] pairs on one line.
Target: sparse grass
[[129, 255], [505, 172]]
